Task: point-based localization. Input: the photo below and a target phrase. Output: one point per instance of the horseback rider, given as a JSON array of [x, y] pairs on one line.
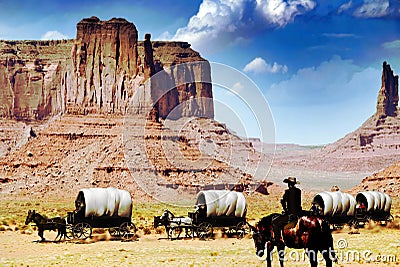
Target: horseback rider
[[291, 204]]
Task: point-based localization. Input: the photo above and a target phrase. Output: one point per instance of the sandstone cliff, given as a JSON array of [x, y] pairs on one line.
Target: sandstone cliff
[[31, 78], [99, 72]]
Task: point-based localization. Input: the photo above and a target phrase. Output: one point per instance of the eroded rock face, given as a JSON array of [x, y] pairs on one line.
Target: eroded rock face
[[104, 60], [388, 97], [32, 84], [100, 72]]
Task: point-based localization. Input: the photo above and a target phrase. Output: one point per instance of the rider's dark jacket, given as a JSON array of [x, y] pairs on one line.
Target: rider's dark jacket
[[291, 201]]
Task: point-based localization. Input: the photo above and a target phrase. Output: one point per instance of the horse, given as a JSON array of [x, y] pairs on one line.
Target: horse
[[43, 223], [172, 224], [310, 233]]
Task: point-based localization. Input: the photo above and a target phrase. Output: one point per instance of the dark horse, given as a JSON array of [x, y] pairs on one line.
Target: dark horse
[[310, 233], [174, 225], [44, 223]]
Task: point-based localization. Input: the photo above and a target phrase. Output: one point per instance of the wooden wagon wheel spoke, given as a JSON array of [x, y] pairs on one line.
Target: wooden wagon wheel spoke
[[205, 230], [189, 232], [82, 230], [69, 231], [114, 231], [242, 229], [175, 232], [124, 230]]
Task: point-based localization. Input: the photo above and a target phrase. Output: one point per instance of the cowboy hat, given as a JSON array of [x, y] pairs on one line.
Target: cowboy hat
[[291, 180]]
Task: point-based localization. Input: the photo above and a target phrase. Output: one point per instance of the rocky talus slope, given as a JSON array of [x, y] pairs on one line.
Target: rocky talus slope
[[78, 151]]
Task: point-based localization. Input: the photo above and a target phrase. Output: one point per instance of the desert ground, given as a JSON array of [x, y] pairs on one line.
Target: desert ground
[[372, 245]]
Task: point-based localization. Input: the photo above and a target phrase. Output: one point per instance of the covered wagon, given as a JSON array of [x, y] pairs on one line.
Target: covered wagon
[[222, 209], [101, 208], [376, 205], [337, 207]]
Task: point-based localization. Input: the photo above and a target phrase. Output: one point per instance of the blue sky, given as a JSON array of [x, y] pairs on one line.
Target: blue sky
[[318, 63]]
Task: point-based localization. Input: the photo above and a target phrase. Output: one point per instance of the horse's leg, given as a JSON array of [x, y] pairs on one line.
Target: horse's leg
[[64, 231], [312, 255], [167, 228], [40, 233], [327, 256], [281, 253], [58, 235], [269, 254]]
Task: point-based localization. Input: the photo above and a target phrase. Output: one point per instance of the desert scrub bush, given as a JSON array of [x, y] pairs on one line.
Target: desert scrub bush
[[146, 231], [3, 228], [159, 230]]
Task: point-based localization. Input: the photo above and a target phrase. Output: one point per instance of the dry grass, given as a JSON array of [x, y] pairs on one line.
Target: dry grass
[[155, 250]]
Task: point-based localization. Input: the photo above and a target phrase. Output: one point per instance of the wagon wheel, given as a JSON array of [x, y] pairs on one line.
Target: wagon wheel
[[205, 230], [390, 218], [114, 231], [189, 232], [82, 230], [69, 231], [242, 229], [175, 232], [126, 228]]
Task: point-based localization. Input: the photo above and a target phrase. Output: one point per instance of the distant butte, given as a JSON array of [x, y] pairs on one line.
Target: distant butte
[[379, 136], [373, 146]]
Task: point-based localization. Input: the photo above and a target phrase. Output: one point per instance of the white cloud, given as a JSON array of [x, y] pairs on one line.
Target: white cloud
[[233, 20], [345, 6], [392, 45], [214, 17], [164, 36], [237, 87], [340, 35], [281, 12], [372, 9], [259, 65], [53, 35]]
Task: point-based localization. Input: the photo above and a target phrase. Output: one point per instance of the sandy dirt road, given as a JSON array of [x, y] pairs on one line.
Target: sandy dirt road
[[380, 246]]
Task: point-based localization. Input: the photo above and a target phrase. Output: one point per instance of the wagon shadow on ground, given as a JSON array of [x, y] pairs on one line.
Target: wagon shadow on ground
[[104, 238], [47, 241]]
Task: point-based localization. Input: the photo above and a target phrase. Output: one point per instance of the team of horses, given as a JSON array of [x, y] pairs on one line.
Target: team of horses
[[43, 223]]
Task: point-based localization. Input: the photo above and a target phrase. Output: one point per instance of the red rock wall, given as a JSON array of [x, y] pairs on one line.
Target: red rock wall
[[104, 60], [31, 86], [99, 72]]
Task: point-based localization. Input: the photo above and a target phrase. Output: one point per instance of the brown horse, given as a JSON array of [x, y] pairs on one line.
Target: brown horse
[[310, 233], [44, 223]]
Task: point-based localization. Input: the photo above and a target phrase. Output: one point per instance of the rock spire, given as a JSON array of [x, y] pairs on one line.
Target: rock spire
[[388, 97]]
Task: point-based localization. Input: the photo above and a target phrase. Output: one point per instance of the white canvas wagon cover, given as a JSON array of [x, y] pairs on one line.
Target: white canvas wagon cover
[[336, 203], [105, 202], [222, 202], [375, 200]]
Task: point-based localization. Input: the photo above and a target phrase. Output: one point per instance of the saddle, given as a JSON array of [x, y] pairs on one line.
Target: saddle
[[291, 222]]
